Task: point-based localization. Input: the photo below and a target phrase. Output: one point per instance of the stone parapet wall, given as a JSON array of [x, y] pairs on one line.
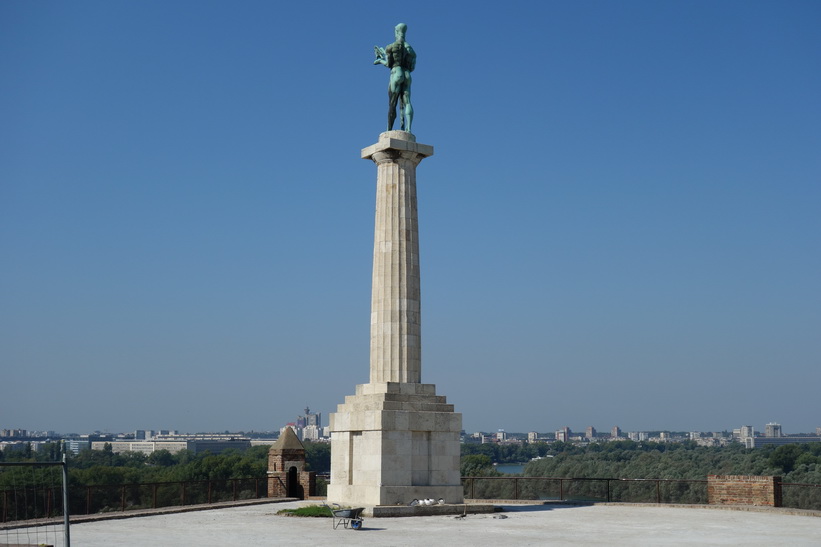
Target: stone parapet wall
[[744, 490]]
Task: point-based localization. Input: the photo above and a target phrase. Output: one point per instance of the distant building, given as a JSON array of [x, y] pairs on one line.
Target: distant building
[[563, 434], [532, 436], [615, 432], [590, 432], [215, 444], [75, 446], [772, 429], [17, 446], [308, 426], [143, 447], [37, 445], [311, 433], [758, 442], [501, 436], [309, 419]]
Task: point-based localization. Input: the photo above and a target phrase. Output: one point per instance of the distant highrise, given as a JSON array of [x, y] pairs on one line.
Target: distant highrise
[[772, 429], [747, 436], [615, 432], [532, 436], [309, 419], [563, 434], [590, 432], [311, 433]]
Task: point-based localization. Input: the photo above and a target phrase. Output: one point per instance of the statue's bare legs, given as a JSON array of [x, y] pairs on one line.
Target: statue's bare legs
[[407, 109], [393, 98], [399, 90]]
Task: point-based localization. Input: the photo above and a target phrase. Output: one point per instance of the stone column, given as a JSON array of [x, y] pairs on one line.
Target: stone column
[[395, 440], [395, 298]]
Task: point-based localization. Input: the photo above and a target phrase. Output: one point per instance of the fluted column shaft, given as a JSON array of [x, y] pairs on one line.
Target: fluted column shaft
[[396, 345]]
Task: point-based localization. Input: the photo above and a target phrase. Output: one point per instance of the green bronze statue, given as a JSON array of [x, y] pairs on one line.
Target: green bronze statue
[[401, 59]]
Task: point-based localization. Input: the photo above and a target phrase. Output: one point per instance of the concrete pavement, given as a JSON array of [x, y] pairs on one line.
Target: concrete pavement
[[518, 525]]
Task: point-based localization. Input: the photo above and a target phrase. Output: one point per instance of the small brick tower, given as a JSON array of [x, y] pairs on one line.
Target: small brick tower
[[287, 477]]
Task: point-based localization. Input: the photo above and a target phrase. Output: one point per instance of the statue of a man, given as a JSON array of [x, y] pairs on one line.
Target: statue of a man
[[401, 59]]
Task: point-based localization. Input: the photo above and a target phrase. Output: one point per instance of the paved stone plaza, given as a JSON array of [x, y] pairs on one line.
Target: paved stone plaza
[[518, 525]]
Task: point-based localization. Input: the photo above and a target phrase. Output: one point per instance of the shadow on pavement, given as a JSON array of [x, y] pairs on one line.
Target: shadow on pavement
[[541, 507]]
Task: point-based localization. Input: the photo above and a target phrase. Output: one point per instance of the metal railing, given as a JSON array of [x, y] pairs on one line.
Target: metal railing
[[688, 491], [586, 489], [85, 500], [93, 499], [18, 505], [801, 495]]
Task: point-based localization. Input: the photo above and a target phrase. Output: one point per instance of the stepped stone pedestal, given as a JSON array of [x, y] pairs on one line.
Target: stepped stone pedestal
[[395, 440]]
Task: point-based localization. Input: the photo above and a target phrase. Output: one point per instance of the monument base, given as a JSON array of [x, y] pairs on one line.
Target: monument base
[[392, 443]]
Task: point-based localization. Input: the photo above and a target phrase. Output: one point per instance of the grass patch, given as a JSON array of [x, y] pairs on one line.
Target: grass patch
[[308, 511]]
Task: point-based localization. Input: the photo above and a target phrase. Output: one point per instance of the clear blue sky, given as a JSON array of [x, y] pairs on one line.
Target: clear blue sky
[[621, 224]]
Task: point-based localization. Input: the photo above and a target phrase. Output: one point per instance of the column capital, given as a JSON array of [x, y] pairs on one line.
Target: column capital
[[396, 144]]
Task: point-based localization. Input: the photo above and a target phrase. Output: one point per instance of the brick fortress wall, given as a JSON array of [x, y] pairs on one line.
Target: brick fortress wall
[[744, 490]]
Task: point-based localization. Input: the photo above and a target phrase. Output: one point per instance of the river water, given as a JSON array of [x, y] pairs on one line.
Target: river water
[[510, 468]]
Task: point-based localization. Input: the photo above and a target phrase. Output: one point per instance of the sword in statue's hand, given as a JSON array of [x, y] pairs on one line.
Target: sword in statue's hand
[[381, 56]]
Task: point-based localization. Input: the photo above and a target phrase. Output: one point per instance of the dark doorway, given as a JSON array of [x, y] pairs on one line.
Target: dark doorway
[[292, 483]]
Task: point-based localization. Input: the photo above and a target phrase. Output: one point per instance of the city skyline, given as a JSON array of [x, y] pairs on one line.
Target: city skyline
[[621, 217], [581, 431]]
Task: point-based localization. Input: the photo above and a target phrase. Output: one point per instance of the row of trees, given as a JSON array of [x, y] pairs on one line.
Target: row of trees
[[680, 462], [628, 459], [104, 467], [796, 463], [104, 481]]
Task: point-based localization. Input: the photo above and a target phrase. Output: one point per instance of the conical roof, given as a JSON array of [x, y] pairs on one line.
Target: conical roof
[[288, 441]]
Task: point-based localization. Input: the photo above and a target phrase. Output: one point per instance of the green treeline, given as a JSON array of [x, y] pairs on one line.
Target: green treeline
[[643, 460], [104, 467], [102, 481], [795, 463]]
